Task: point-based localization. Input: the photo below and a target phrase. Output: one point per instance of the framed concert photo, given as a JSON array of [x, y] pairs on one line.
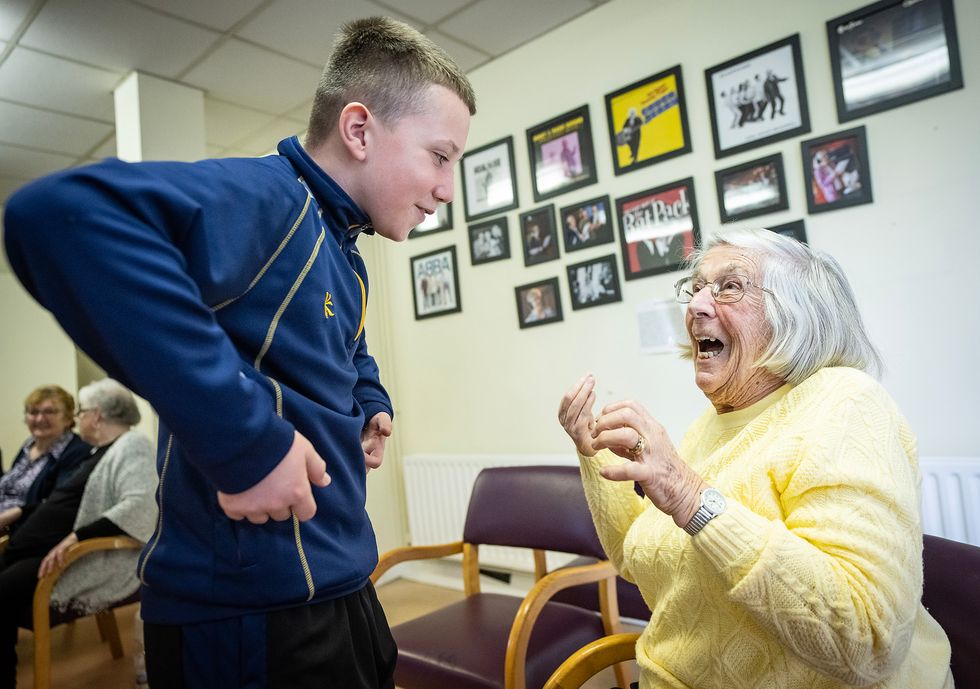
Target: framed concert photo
[[892, 53], [750, 189], [489, 182], [435, 283], [758, 98], [539, 236], [538, 303], [594, 282], [836, 171], [561, 155], [586, 224], [648, 121], [440, 221], [658, 229], [489, 241], [795, 229]]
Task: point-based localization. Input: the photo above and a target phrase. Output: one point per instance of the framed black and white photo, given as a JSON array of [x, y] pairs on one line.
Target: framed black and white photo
[[489, 182], [753, 188], [648, 121], [891, 53], [586, 224], [561, 154], [440, 221], [539, 236], [758, 98], [836, 170], [594, 282], [795, 229], [658, 228], [538, 303], [489, 241], [435, 283]]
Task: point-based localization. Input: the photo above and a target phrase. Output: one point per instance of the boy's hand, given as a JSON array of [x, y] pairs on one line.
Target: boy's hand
[[285, 491], [373, 439]]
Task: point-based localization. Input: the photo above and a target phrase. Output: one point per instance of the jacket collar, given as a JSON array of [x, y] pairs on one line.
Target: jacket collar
[[345, 219]]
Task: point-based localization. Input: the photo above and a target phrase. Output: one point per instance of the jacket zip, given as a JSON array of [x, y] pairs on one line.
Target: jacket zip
[[159, 529]]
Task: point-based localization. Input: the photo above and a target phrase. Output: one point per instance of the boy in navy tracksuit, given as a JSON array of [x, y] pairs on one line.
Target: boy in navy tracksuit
[[230, 294]]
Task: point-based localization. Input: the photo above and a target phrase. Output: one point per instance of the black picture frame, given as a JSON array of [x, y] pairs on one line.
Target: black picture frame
[[586, 224], [892, 53], [741, 90], [440, 221], [538, 303], [489, 179], [594, 282], [795, 229], [836, 170], [561, 154], [647, 121], [435, 283], [539, 236], [750, 189], [658, 228], [489, 240]]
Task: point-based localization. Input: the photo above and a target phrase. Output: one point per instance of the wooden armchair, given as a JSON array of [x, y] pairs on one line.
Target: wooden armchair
[[493, 641], [592, 658]]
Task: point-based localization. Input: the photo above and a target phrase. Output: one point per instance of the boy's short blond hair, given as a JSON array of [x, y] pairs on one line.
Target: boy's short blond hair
[[386, 65]]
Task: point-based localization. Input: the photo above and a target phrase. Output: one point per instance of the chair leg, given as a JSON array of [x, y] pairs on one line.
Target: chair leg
[[109, 631], [42, 651]]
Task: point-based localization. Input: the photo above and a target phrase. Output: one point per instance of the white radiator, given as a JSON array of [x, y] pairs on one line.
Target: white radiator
[[951, 497], [437, 493]]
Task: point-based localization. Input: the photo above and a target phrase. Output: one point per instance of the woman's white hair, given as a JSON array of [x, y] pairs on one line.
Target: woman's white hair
[[812, 312], [116, 403]]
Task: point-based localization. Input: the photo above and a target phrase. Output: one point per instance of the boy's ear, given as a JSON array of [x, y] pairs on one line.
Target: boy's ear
[[353, 125]]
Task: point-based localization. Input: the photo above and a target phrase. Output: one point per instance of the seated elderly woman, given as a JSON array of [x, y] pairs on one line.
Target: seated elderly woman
[[110, 493], [780, 545], [51, 452]]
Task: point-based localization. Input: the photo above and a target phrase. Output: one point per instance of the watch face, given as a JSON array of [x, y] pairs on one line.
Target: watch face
[[713, 500]]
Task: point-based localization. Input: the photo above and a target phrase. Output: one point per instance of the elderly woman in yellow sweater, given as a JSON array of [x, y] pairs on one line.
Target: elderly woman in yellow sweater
[[780, 544]]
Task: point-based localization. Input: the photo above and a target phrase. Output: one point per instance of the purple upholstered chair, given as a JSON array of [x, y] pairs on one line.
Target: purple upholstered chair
[[493, 641], [951, 593]]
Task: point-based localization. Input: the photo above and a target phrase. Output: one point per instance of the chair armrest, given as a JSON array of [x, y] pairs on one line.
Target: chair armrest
[[592, 658], [3, 542], [415, 552]]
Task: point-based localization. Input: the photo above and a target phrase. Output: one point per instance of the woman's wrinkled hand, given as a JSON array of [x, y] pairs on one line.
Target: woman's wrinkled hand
[[575, 414]]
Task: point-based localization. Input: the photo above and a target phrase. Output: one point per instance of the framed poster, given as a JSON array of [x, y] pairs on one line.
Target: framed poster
[[648, 121], [538, 303], [750, 189], [489, 241], [836, 171], [538, 235], [435, 283], [758, 98], [892, 53], [489, 184], [795, 229], [561, 154], [594, 282], [658, 229], [439, 221], [586, 224]]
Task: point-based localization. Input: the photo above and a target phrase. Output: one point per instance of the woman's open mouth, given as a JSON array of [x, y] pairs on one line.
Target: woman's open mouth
[[709, 347]]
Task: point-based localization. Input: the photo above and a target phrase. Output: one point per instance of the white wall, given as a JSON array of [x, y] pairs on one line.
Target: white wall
[[474, 383]]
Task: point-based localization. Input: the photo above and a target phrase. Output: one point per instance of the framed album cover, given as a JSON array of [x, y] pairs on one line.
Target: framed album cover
[[836, 171], [795, 229], [561, 154], [648, 121], [758, 98], [435, 283], [440, 221], [750, 189], [892, 53], [489, 241], [539, 236], [658, 228], [594, 282], [538, 303], [586, 224], [489, 182]]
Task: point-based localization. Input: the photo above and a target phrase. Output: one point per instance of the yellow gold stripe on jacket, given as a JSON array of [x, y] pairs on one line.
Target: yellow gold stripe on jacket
[[163, 475], [275, 255], [360, 326], [285, 302]]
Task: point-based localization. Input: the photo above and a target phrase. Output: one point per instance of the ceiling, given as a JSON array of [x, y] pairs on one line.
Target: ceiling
[[257, 61]]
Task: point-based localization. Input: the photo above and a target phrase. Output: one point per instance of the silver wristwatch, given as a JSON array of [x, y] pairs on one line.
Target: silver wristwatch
[[712, 504]]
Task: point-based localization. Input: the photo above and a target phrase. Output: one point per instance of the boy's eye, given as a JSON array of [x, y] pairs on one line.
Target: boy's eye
[[441, 159]]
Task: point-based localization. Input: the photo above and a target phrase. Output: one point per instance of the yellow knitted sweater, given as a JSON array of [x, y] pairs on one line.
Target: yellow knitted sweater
[[812, 577]]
